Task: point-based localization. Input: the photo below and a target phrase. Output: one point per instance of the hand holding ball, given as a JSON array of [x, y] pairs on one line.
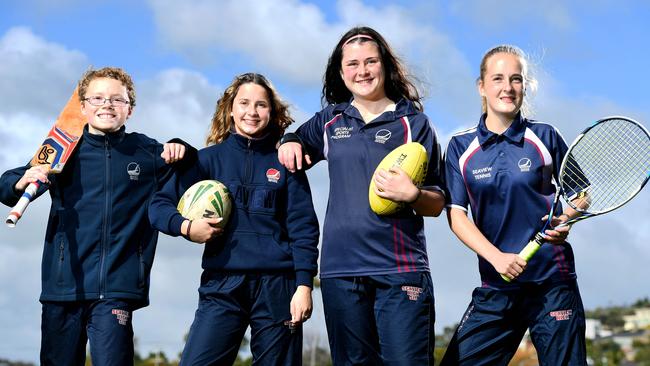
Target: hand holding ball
[[412, 158], [206, 199]]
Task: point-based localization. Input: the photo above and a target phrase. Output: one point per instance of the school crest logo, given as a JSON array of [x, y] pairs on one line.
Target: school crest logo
[[273, 175], [382, 136], [133, 170]]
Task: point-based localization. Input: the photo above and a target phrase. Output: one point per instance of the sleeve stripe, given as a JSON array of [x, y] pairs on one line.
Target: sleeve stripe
[[325, 143], [407, 130], [539, 145], [456, 206], [471, 149]]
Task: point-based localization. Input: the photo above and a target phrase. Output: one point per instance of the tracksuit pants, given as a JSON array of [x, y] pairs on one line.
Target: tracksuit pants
[[228, 303], [67, 326], [380, 320], [496, 321]]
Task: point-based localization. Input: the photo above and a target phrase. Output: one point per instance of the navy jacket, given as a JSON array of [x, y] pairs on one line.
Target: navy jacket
[[99, 243], [272, 225], [356, 241]]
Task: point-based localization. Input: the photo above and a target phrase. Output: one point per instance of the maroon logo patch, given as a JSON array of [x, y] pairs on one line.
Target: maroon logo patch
[[561, 314], [412, 292], [273, 175], [121, 315]]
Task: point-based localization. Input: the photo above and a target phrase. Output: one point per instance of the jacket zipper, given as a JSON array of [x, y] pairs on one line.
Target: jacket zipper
[[248, 171], [61, 259], [104, 240]]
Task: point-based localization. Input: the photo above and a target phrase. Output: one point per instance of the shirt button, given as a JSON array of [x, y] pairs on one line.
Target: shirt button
[[501, 153]]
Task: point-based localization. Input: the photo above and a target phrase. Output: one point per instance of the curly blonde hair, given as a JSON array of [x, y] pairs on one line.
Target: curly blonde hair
[[222, 121], [111, 73]]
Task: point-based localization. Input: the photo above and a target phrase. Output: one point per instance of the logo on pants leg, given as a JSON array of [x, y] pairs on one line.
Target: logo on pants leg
[[561, 314], [121, 315], [412, 292]]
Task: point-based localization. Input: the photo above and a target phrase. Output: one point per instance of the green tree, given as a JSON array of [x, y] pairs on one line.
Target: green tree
[[642, 303], [605, 352], [642, 352]]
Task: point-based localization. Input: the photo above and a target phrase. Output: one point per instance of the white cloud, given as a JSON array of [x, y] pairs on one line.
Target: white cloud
[[20, 270], [273, 34], [37, 76], [294, 41], [175, 103]]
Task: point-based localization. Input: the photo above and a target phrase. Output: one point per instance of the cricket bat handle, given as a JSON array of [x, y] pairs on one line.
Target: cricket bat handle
[[19, 208]]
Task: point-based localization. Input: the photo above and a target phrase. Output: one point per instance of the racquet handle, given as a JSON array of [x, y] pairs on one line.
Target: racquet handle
[[17, 211], [529, 251]]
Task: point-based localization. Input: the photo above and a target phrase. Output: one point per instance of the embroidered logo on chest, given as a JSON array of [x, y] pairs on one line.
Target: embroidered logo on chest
[[133, 170], [273, 175], [524, 164], [382, 136], [482, 173], [342, 133]]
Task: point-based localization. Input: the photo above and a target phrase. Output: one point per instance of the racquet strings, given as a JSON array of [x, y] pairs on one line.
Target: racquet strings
[[607, 166]]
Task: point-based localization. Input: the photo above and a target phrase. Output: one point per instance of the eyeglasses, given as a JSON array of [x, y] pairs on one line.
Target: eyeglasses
[[98, 101]]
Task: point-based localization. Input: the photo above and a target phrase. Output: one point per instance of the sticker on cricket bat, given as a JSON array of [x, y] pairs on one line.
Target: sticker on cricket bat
[[58, 146]]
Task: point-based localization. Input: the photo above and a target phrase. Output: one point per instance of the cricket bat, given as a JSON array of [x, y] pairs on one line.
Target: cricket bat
[[58, 146]]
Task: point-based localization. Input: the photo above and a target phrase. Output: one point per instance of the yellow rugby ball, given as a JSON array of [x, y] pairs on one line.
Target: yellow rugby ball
[[412, 158], [206, 199]]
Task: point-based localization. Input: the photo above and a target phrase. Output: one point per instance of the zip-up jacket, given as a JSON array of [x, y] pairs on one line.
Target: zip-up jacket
[[99, 243], [272, 225], [356, 241]]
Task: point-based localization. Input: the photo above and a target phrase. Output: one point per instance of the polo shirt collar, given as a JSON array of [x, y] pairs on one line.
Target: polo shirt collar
[[514, 133], [403, 107]]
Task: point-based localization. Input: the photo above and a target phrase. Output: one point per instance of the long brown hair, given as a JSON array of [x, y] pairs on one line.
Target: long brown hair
[[398, 82], [222, 121]]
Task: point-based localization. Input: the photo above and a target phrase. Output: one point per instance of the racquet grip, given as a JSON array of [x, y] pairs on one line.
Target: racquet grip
[[17, 211], [529, 251]]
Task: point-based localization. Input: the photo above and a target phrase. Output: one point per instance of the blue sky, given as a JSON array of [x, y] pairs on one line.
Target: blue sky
[[590, 57]]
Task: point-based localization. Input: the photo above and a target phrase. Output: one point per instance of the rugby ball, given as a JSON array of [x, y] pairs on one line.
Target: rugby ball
[[412, 158], [206, 199]]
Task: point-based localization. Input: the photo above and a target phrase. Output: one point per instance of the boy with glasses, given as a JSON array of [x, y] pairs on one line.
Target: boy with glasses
[[99, 245]]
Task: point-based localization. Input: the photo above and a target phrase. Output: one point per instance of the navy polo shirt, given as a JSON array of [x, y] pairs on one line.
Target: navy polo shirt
[[356, 241], [508, 181]]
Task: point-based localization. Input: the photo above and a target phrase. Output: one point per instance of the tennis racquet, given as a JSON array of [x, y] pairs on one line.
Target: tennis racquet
[[604, 168]]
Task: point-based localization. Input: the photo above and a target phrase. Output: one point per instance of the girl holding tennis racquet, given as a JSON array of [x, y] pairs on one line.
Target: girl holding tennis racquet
[[504, 170]]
